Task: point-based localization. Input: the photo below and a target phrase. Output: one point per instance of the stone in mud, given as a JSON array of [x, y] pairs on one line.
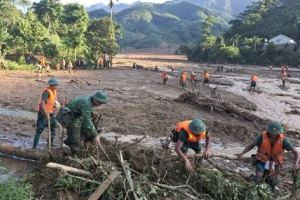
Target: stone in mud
[[7, 129]]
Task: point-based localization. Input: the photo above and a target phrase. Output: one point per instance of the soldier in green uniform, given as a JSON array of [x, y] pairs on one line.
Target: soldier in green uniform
[[77, 116]]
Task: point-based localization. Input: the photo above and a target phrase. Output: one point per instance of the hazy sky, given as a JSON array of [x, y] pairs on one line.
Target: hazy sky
[[91, 2]]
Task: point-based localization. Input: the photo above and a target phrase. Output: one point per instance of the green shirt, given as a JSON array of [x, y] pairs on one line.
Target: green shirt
[[286, 144], [183, 135], [45, 95], [82, 106]]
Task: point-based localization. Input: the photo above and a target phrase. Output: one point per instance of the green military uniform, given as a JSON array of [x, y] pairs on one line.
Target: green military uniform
[[82, 126], [82, 111]]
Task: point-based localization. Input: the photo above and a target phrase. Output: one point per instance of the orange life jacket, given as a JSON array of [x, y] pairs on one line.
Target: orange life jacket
[[191, 136], [265, 153], [254, 78], [183, 78], [164, 75], [206, 75], [57, 65], [3, 64], [283, 75], [50, 103]]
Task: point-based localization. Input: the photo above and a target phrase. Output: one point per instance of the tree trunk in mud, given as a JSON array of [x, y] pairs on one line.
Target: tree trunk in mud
[[22, 152]]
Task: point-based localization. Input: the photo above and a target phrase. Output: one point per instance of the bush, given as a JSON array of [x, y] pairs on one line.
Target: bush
[[22, 60], [15, 66], [12, 188]]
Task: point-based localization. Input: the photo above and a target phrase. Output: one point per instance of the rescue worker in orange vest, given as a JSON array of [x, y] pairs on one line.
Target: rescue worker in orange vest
[[193, 78], [206, 78], [4, 66], [46, 108], [165, 77], [269, 158], [254, 79], [183, 80], [187, 134]]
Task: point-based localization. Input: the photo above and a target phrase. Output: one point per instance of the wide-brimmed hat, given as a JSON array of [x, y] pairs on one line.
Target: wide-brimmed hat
[[274, 128], [197, 126], [100, 96], [53, 81]]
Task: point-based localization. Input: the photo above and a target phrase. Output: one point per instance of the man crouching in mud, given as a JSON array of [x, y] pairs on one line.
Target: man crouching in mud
[[187, 134], [269, 158], [77, 116]]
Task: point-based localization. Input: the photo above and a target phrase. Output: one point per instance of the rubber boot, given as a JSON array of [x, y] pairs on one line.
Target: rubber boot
[[35, 141]]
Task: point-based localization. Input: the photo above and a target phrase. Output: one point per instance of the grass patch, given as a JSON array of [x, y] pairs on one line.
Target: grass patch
[[15, 66], [14, 189]]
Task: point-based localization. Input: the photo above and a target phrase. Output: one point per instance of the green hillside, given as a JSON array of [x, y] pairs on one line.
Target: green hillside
[[148, 24], [233, 7]]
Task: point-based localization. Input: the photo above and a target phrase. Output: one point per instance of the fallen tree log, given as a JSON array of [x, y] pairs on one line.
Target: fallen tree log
[[22, 152]]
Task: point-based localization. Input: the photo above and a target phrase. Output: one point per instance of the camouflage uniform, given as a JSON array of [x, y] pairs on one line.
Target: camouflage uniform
[[42, 123], [82, 126]]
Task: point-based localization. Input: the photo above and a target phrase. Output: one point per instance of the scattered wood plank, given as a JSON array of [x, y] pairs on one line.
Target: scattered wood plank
[[86, 82], [68, 169], [104, 185], [39, 80]]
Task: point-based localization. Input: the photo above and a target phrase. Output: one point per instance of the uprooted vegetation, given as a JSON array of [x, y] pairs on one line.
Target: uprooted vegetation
[[145, 176]]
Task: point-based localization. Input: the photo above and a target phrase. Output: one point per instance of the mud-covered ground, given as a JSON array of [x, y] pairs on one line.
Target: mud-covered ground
[[139, 104]]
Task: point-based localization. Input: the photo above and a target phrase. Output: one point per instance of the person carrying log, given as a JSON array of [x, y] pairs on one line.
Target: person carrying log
[[165, 77], [254, 79], [183, 80], [206, 78], [187, 134], [4, 66], [77, 116], [269, 158], [46, 108]]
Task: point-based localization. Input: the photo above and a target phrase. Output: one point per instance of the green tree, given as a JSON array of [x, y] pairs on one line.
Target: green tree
[[101, 38], [207, 26], [48, 12], [76, 19]]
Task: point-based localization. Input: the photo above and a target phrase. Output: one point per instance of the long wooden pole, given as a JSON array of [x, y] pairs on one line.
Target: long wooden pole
[[49, 134]]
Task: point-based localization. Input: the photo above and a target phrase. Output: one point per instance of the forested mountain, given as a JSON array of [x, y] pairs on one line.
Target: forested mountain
[[117, 6], [148, 24], [233, 7]]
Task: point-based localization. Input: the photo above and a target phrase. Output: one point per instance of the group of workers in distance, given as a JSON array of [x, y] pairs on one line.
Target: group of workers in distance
[[284, 74], [183, 77]]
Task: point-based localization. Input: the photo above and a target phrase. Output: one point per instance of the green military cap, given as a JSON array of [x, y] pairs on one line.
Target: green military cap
[[274, 128], [100, 96], [197, 126], [53, 81]]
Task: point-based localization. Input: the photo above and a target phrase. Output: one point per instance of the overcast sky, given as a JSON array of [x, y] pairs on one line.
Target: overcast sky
[[91, 2]]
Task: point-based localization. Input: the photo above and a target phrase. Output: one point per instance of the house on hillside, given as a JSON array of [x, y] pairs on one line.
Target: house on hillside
[[282, 42]]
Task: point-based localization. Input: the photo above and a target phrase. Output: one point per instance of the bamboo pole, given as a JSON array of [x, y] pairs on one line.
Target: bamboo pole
[[67, 168]]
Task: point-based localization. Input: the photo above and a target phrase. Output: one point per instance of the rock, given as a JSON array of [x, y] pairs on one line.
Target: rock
[[7, 129]]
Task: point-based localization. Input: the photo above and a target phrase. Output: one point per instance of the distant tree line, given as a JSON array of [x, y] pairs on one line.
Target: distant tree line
[[55, 30]]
